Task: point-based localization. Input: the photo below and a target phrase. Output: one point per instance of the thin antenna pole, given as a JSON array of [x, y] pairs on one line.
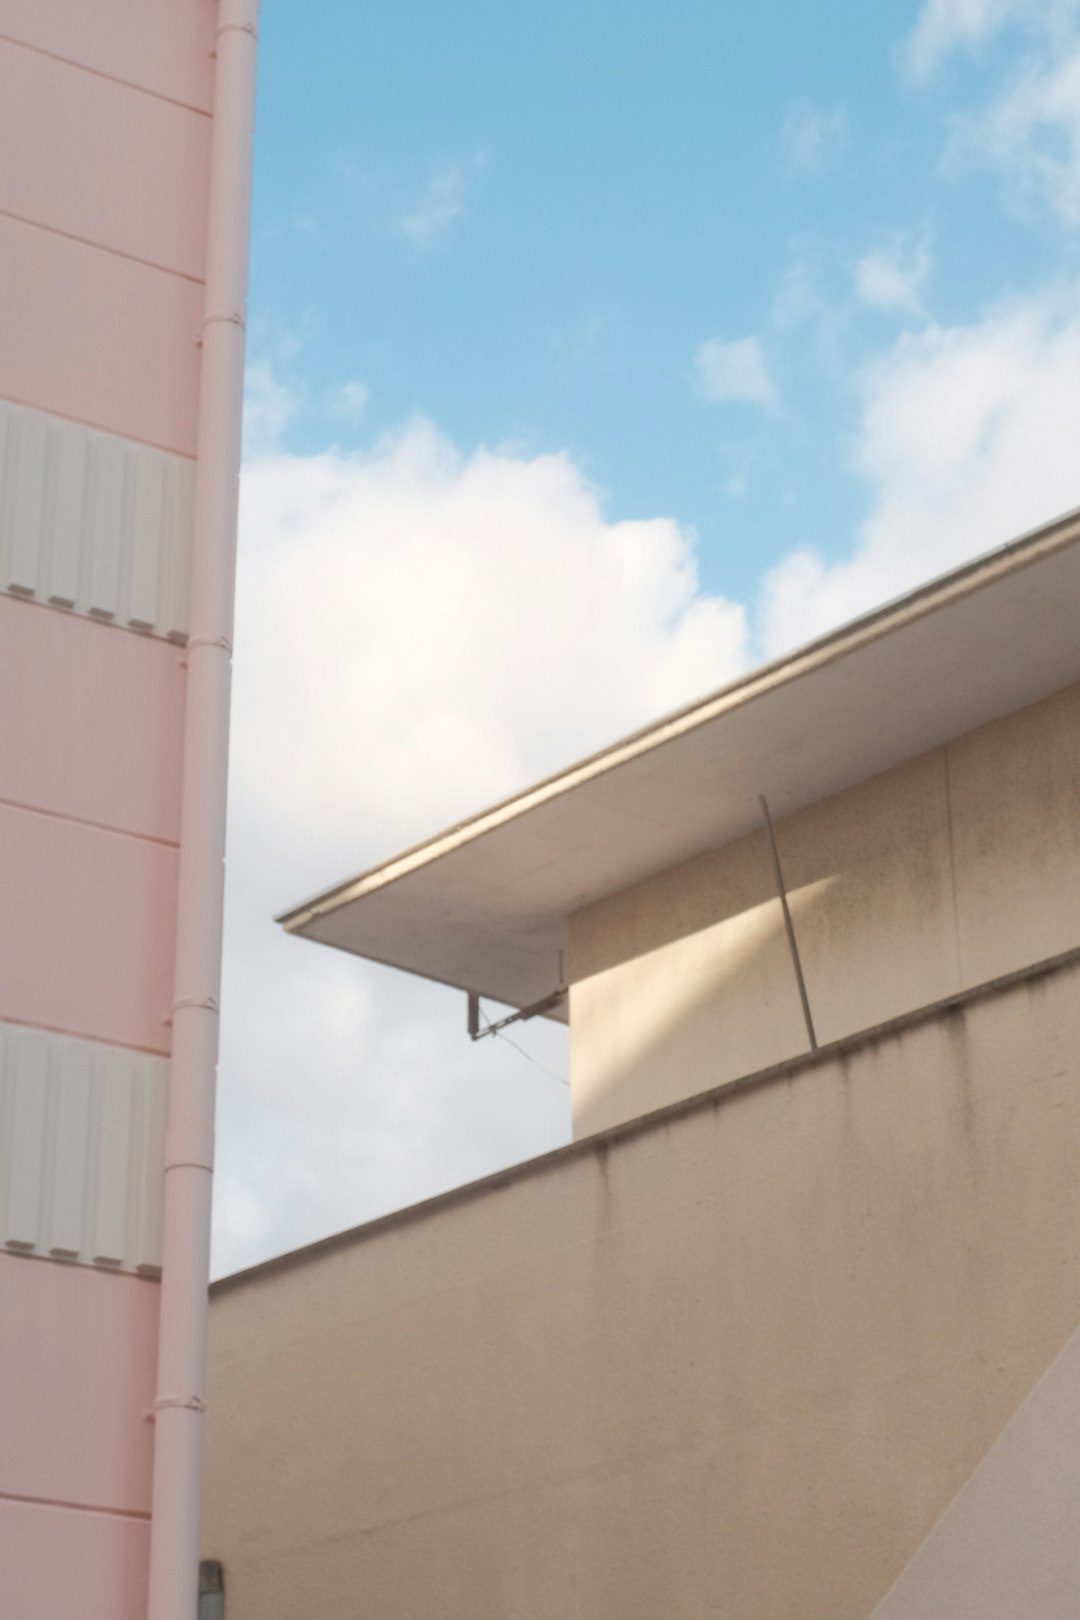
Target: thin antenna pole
[[778, 875]]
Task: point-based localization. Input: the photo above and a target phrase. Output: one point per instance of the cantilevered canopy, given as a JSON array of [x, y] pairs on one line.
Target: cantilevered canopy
[[484, 905]]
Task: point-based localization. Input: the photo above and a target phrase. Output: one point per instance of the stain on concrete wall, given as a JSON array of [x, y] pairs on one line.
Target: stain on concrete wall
[[933, 877], [735, 1360]]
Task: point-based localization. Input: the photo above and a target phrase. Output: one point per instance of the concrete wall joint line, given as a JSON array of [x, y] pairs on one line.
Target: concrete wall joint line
[[950, 833]]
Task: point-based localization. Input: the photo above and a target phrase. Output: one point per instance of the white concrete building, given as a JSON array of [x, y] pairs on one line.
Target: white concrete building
[[737, 1349]]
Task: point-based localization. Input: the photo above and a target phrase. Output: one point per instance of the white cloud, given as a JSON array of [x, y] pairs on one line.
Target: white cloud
[[812, 295], [798, 297], [269, 406], [735, 371], [1029, 131], [1030, 135], [419, 632], [445, 199], [967, 437], [945, 25], [812, 140], [892, 277], [353, 397]]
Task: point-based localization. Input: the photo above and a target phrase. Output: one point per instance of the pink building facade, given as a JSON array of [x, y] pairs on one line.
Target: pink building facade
[[107, 117]]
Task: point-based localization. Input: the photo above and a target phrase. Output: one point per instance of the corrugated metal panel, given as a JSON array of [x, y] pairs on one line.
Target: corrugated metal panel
[[94, 523], [82, 1128]]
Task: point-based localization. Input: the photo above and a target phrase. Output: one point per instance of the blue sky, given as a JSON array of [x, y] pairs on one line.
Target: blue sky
[[523, 221], [596, 352]]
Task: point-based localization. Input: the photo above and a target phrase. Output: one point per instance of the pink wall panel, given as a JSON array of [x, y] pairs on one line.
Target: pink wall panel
[[92, 727], [60, 1565], [99, 338], [71, 128], [86, 930], [163, 45], [78, 1347]]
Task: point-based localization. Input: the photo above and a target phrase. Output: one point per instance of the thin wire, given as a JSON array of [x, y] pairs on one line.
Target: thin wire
[[530, 1059], [488, 1028]]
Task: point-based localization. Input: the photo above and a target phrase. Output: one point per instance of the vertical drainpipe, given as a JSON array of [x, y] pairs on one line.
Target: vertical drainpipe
[[189, 1141]]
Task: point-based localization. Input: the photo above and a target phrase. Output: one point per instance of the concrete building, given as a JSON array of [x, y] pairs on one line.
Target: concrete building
[[125, 127], [789, 1331]]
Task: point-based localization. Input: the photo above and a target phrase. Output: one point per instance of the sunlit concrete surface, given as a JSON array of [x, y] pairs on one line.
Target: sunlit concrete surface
[[735, 1358], [1007, 1546], [940, 874]]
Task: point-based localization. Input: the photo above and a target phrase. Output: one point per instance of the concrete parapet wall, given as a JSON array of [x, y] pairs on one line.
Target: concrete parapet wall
[[732, 1359]]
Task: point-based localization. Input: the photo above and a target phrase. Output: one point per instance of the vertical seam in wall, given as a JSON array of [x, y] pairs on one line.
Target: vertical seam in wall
[[952, 867]]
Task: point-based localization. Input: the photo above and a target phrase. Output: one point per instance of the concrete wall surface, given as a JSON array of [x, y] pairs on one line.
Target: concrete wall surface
[[939, 875], [733, 1360], [1009, 1545]]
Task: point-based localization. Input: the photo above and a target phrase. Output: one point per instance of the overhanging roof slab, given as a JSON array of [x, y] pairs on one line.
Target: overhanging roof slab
[[484, 905]]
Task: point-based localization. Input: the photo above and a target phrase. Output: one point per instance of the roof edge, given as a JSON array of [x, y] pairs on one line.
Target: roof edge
[[931, 597]]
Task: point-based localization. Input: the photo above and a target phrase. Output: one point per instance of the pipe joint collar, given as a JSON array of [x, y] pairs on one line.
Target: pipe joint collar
[[205, 1003], [183, 1403], [189, 1149], [222, 642]]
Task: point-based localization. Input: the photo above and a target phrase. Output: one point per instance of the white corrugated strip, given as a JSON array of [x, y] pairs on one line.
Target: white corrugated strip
[[94, 523], [81, 1150]]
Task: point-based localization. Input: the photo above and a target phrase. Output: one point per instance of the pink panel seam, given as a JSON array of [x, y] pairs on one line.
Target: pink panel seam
[[84, 821], [73, 613], [74, 1507], [76, 821], [99, 1270], [99, 427], [111, 78], [82, 1035], [100, 247]]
